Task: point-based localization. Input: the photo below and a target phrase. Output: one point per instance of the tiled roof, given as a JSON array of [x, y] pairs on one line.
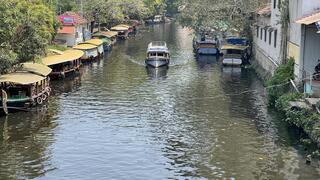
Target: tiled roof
[[79, 19], [309, 19], [266, 10]]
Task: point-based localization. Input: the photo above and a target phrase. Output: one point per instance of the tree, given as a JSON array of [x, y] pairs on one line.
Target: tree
[[27, 43], [219, 15]]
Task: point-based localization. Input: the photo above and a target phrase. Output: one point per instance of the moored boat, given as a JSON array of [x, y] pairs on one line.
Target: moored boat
[[234, 55], [204, 45], [27, 87], [90, 52], [63, 64], [106, 41], [112, 35], [123, 31], [158, 54], [96, 42]]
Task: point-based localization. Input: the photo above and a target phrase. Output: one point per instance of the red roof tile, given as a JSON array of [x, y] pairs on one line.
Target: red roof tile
[[79, 19], [266, 10], [309, 19]]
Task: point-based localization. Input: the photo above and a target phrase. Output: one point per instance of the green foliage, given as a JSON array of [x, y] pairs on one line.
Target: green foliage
[[25, 28], [283, 101], [58, 47], [7, 60], [27, 43], [282, 75], [218, 15]]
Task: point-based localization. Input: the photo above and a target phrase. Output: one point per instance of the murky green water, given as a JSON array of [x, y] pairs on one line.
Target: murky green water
[[119, 120]]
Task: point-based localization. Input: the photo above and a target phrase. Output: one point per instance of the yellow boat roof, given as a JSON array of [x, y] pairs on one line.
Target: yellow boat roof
[[55, 51], [96, 42], [36, 68], [67, 56], [109, 33], [84, 46], [123, 25], [230, 46], [23, 78], [119, 28]]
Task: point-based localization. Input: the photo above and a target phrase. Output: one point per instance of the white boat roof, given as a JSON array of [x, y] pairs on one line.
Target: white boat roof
[[158, 46]]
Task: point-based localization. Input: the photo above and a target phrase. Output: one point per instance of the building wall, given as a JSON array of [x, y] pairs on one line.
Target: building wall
[[267, 47], [312, 48], [69, 38], [298, 9]]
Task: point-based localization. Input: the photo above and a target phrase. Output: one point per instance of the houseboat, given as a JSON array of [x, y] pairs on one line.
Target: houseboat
[[206, 45], [112, 35], [27, 87], [157, 19], [90, 52], [98, 43], [234, 55], [105, 39], [63, 64], [123, 31], [158, 54]]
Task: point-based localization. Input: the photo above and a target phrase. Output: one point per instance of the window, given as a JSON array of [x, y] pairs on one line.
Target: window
[[275, 38], [257, 31], [270, 36], [265, 35], [274, 4], [261, 31]]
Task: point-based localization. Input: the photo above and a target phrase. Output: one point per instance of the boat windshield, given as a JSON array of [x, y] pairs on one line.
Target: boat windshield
[[158, 54], [234, 51]]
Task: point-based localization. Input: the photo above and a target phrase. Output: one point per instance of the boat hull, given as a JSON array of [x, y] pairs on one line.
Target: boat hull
[[157, 62], [232, 62], [208, 51]]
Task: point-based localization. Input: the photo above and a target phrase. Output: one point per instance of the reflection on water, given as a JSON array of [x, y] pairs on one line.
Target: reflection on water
[[119, 120], [160, 72]]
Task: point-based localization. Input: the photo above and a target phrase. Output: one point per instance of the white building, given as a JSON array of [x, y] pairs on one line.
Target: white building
[[304, 41], [267, 36]]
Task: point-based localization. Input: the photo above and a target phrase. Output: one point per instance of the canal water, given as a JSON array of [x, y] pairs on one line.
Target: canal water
[[119, 120]]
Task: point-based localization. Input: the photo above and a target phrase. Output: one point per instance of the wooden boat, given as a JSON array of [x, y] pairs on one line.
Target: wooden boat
[[96, 42], [27, 87], [158, 54], [90, 52], [105, 39], [234, 55], [123, 31], [205, 45], [157, 19], [64, 64], [112, 35]]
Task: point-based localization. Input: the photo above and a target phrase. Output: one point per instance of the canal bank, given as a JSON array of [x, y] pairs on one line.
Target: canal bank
[[122, 121]]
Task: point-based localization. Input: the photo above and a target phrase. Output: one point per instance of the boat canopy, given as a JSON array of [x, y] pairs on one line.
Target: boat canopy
[[124, 25], [55, 51], [67, 56], [84, 46], [23, 78], [158, 46], [235, 47], [96, 42], [108, 34], [119, 28], [36, 68]]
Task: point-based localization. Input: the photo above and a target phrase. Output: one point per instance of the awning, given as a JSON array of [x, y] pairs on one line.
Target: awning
[[67, 30], [23, 78], [36, 68], [67, 56], [310, 19], [109, 34]]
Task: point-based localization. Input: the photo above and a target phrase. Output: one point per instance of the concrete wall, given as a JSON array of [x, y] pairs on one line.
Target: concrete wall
[[265, 52], [311, 48], [69, 38]]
